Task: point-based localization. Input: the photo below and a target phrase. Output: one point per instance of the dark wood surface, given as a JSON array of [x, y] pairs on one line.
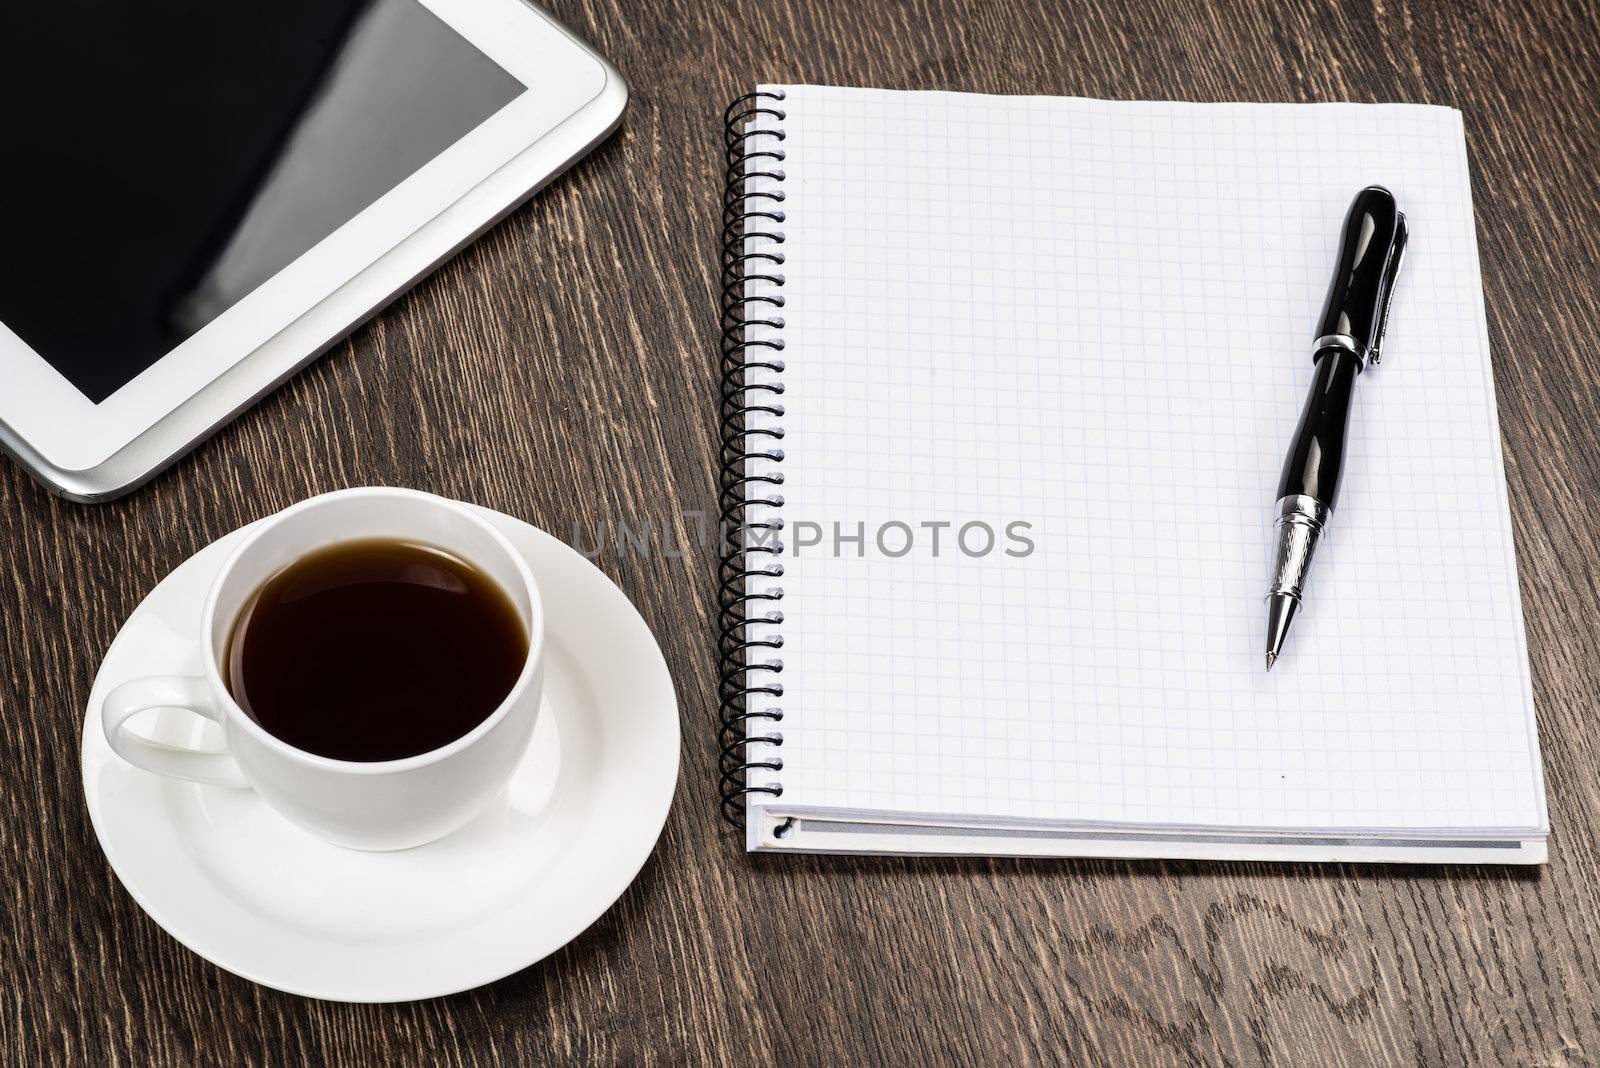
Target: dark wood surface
[[561, 370]]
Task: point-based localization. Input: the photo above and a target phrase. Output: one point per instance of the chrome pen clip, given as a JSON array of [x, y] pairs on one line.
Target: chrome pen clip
[[1391, 273]]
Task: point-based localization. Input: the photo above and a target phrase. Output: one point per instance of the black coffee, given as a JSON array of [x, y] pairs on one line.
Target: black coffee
[[375, 650]]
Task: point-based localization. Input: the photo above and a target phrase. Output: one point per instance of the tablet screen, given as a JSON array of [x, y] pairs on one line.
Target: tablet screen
[[164, 158]]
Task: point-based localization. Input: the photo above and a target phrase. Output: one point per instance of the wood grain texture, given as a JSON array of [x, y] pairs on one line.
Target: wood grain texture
[[561, 370]]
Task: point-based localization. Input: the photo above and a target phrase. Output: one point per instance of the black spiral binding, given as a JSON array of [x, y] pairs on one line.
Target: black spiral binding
[[752, 241]]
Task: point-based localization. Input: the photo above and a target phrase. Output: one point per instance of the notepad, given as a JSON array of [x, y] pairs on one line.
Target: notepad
[[1005, 418]]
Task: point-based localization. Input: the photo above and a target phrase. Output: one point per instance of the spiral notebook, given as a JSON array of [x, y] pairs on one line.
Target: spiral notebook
[[1008, 381]]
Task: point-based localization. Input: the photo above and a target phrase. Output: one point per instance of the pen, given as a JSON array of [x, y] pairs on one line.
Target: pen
[[1349, 336]]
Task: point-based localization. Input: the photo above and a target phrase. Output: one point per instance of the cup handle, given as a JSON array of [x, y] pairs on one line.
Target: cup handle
[[167, 691]]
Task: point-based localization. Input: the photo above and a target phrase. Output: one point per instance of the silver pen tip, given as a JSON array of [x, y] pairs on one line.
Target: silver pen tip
[[1280, 613]]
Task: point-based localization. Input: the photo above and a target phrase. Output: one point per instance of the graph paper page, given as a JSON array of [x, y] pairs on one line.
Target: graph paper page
[[1085, 326]]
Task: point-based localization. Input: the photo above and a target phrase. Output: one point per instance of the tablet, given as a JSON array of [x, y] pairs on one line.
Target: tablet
[[198, 198]]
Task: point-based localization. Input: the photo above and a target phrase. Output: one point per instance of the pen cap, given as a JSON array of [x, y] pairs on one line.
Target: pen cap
[[1370, 249]]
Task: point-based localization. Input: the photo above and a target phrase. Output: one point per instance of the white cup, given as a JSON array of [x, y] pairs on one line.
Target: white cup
[[390, 804]]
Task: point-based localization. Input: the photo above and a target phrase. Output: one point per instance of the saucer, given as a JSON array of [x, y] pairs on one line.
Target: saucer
[[250, 892]]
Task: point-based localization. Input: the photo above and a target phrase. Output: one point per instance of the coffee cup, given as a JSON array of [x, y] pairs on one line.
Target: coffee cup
[[381, 804]]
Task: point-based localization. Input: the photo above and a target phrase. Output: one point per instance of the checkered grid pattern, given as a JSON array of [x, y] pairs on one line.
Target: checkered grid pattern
[[1095, 318]]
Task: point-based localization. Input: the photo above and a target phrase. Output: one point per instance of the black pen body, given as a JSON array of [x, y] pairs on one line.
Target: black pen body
[[1309, 487], [1349, 336], [1316, 455]]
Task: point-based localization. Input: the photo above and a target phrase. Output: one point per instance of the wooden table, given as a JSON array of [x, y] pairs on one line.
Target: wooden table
[[561, 370]]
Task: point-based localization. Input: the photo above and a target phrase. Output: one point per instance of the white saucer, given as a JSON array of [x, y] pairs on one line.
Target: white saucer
[[252, 893]]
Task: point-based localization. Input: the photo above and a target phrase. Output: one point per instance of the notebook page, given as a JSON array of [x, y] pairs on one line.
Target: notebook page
[[1093, 319]]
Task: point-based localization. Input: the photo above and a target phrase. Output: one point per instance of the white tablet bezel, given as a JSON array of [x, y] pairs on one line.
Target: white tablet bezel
[[68, 432]]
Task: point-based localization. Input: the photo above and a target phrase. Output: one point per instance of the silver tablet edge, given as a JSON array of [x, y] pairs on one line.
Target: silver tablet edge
[[210, 409]]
